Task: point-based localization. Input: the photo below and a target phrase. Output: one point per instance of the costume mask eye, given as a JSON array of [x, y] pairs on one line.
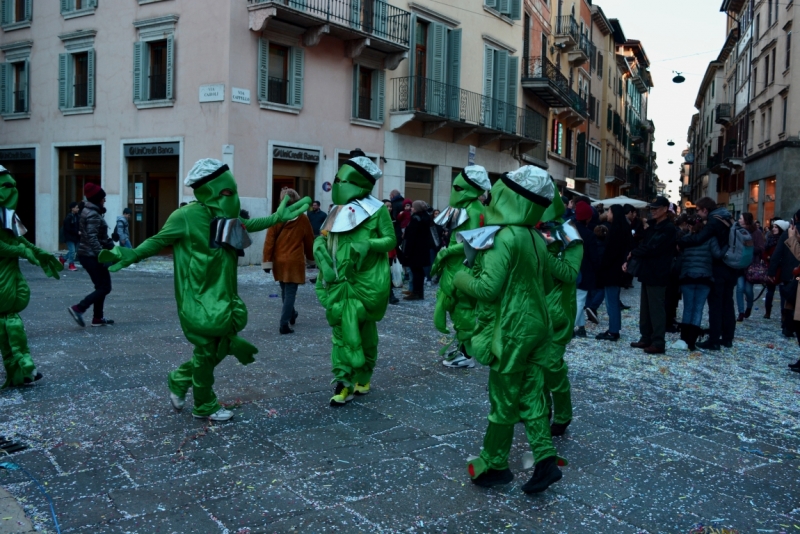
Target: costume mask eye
[[458, 188], [7, 185], [226, 193]]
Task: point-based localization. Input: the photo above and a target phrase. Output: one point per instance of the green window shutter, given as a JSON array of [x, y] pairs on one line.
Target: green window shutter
[[90, 77], [412, 39], [63, 81], [66, 5], [26, 85], [355, 90], [504, 6], [296, 73], [581, 161], [28, 10], [490, 3], [355, 13], [488, 83], [139, 50], [5, 87], [380, 17], [501, 89], [454, 74], [263, 69], [513, 72], [6, 16], [92, 4], [378, 95], [170, 68], [438, 36], [516, 9], [609, 119]]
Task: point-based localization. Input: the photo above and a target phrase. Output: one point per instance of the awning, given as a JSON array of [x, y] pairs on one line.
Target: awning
[[621, 200], [584, 195]]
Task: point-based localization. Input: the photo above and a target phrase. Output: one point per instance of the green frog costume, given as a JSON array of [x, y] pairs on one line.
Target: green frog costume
[[205, 237], [510, 280], [14, 291], [464, 213], [353, 286]]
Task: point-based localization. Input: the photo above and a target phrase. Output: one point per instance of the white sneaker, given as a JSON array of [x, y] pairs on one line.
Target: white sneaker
[[220, 415], [177, 402], [460, 361]]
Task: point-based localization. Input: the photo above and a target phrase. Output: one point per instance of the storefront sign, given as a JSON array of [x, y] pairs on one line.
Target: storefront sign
[[593, 190], [153, 149], [17, 154], [571, 183], [296, 154], [240, 95], [326, 186], [212, 93]]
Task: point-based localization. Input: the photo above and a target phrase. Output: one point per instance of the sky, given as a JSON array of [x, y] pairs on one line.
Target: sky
[[677, 35]]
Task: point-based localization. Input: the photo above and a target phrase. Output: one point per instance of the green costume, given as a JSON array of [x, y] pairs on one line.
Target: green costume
[[14, 290], [205, 236], [353, 286], [464, 213], [509, 280]]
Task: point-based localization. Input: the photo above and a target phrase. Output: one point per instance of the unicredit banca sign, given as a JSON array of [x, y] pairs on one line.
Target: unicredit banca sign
[[153, 149]]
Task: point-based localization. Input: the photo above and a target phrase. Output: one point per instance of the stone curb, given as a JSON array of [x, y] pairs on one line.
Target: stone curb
[[12, 517]]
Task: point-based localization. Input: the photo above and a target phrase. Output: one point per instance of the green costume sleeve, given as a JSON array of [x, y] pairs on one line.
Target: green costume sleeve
[[492, 277], [9, 250], [283, 214], [387, 240], [565, 268], [49, 264], [174, 229]]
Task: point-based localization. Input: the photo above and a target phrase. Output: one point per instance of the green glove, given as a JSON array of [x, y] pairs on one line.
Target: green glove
[[121, 257], [49, 264], [287, 213], [438, 262], [29, 255]]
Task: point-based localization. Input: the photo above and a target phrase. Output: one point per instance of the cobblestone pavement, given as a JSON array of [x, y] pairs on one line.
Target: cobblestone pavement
[[659, 443]]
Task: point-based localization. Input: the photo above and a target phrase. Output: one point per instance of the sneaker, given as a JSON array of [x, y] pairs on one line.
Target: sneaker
[[579, 332], [35, 376], [77, 315], [607, 336], [623, 306], [62, 259], [591, 315], [493, 477], [545, 474], [559, 429], [285, 329], [177, 402], [72, 267], [460, 361], [361, 389], [341, 395], [102, 322], [220, 415], [394, 300]]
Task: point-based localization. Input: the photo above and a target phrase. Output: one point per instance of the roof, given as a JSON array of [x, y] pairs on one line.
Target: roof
[[638, 51], [729, 45], [619, 35], [734, 6], [599, 18]]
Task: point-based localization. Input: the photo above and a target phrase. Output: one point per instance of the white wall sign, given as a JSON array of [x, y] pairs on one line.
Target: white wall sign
[[240, 95], [571, 183], [212, 93]]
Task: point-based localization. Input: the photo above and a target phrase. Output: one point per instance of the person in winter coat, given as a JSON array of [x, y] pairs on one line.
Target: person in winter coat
[[417, 249], [696, 279], [781, 265], [590, 263], [122, 228], [316, 216], [404, 217], [655, 255], [793, 244], [94, 239], [397, 200], [743, 287], [777, 227], [286, 249], [721, 313], [610, 275], [72, 234]]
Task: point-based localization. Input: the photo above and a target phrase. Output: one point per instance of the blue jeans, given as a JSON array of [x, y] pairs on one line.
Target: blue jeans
[[595, 298], [72, 249], [694, 300], [744, 290], [126, 243], [288, 294], [580, 317], [613, 309]]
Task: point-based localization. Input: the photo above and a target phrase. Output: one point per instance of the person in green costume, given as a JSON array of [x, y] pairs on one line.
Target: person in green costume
[[510, 280], [353, 286], [564, 261], [14, 291], [464, 213], [205, 237]]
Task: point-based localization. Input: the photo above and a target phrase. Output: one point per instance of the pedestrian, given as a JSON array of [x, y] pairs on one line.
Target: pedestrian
[[590, 263], [744, 288], [696, 279], [316, 217], [672, 296], [397, 203], [287, 248], [781, 265], [121, 229], [392, 253], [793, 244], [777, 227], [72, 234], [721, 312], [654, 257], [404, 216], [94, 239], [416, 249], [611, 277]]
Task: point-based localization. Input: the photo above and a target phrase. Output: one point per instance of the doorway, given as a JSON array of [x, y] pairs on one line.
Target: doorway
[[153, 194], [294, 175], [77, 166]]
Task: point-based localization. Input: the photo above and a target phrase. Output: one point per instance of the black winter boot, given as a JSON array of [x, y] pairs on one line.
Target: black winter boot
[[692, 332], [545, 474], [493, 477]]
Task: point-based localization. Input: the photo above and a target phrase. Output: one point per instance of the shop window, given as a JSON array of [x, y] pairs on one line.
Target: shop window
[[154, 63], [76, 75], [76, 8], [16, 14], [14, 97], [510, 8], [280, 74], [752, 201], [368, 93], [769, 201]]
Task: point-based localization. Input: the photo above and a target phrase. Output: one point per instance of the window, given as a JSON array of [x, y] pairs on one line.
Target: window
[[769, 123], [368, 93], [281, 71], [501, 74], [713, 87], [774, 64], [77, 8], [419, 182], [755, 81], [785, 111], [437, 66], [599, 65], [76, 75], [609, 119], [766, 71], [15, 14], [510, 8], [788, 48], [14, 80], [763, 126], [154, 63]]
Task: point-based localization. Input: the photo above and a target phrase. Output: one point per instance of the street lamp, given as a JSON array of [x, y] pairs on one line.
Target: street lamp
[[670, 143], [678, 77], [670, 162]]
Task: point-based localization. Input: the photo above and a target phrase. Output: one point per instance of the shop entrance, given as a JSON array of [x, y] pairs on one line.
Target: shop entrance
[[295, 175], [153, 189], [21, 163], [77, 166]]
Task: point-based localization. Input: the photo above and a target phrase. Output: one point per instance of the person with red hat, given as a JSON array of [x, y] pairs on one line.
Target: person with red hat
[[94, 239], [589, 264]]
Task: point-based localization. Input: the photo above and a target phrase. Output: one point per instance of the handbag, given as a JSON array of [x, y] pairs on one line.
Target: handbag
[[633, 266], [757, 272]]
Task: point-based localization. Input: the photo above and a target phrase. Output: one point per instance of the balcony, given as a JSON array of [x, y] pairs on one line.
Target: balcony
[[615, 174], [577, 112], [637, 77], [638, 161], [723, 114], [593, 173], [437, 105], [567, 34], [370, 23], [581, 54], [545, 81], [636, 134]]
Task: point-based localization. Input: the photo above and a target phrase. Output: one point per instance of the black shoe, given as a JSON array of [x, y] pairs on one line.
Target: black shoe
[[413, 296], [640, 345], [579, 332], [493, 477], [708, 345], [559, 429], [607, 336], [623, 306], [286, 330], [28, 380], [673, 328], [795, 365], [591, 315], [294, 318], [545, 474], [797, 370], [727, 344], [787, 332]]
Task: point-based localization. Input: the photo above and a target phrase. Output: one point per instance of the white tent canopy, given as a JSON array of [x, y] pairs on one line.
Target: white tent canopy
[[620, 200]]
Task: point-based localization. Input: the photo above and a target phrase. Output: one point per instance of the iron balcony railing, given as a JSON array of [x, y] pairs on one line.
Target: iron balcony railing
[[423, 95], [585, 45], [617, 171], [579, 103], [723, 115], [638, 159], [567, 25], [20, 102], [373, 17], [541, 67], [593, 173]]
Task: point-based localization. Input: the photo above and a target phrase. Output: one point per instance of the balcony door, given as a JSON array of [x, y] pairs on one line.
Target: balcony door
[[420, 64]]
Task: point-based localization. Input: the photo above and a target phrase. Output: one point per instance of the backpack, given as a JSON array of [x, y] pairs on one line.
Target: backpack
[[739, 252]]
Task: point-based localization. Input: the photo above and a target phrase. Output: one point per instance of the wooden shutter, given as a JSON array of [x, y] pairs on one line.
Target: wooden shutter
[[511, 111], [490, 3], [263, 69], [454, 73], [355, 13], [412, 59], [66, 6], [296, 73], [5, 87], [609, 119], [516, 11], [436, 70], [28, 10], [139, 50], [26, 85], [504, 6], [90, 77], [171, 68], [378, 92], [6, 11], [488, 84], [355, 90], [380, 16], [63, 80], [501, 88]]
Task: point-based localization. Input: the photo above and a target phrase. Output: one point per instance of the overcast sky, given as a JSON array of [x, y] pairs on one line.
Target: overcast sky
[[680, 35]]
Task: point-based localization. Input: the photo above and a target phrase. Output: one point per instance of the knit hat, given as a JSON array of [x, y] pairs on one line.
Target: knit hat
[[583, 211], [365, 166], [783, 225], [93, 193]]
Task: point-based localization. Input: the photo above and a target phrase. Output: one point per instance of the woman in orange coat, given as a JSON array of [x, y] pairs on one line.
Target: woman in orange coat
[[285, 251]]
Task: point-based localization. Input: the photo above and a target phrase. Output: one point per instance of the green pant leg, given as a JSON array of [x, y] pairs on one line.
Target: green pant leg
[[504, 391], [369, 342], [199, 373], [340, 360], [14, 347], [556, 383], [533, 411], [463, 317]]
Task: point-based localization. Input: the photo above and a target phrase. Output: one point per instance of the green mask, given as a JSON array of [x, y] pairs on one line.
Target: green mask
[[556, 209], [511, 208], [463, 193], [349, 185], [221, 205], [8, 192]]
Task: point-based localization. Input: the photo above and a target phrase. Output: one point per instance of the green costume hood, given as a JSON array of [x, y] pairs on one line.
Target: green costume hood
[[556, 210], [355, 179], [520, 198], [468, 185], [215, 187], [8, 190]]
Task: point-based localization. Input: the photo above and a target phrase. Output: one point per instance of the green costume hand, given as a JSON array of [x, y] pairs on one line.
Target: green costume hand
[[461, 280], [50, 265], [323, 259], [287, 213], [29, 255], [438, 262], [121, 257]]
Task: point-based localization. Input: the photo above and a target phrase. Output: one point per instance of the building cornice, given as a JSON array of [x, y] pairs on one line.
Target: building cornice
[[432, 14], [788, 143]]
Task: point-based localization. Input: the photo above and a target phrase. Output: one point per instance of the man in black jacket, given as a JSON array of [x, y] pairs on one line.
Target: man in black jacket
[[397, 203], [589, 265], [721, 313], [655, 255], [782, 259]]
